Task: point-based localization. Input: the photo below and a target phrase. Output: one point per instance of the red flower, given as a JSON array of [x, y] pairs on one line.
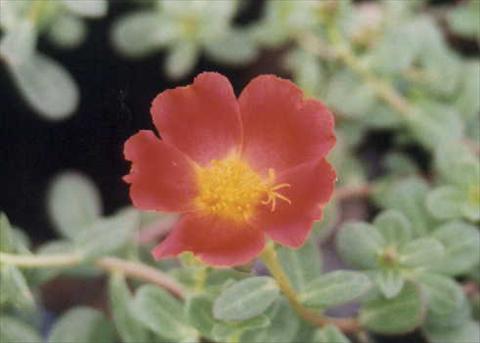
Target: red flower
[[235, 169]]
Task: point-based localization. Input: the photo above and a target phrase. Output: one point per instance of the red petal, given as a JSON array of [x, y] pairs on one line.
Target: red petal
[[281, 129], [312, 186], [161, 177], [215, 241], [202, 119]]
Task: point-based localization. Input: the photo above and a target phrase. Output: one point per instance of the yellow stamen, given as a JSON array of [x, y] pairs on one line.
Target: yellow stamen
[[231, 189]]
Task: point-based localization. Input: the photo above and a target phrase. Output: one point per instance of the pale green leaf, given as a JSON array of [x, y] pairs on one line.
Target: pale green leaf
[[408, 196], [126, 324], [335, 288], [329, 334], [81, 324], [97, 239], [6, 234], [301, 265], [389, 281], [18, 44], [284, 324], [447, 304], [13, 330], [467, 333], [67, 31], [73, 203], [246, 299], [446, 202], [162, 313], [87, 8], [232, 331], [394, 227], [234, 47], [199, 311], [461, 242], [181, 59], [46, 86], [141, 33], [422, 252], [14, 288], [359, 245], [398, 315]]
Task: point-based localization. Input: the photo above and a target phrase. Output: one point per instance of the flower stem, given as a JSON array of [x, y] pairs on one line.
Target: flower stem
[[131, 269], [270, 259], [41, 261]]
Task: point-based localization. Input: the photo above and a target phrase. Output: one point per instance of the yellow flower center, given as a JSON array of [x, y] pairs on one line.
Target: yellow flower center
[[232, 190]]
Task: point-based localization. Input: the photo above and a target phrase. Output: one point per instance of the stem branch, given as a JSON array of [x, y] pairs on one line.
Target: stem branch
[[269, 258], [131, 269]]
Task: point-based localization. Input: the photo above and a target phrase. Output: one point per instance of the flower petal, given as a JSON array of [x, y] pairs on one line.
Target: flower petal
[[162, 178], [311, 186], [281, 129], [213, 240], [202, 120]]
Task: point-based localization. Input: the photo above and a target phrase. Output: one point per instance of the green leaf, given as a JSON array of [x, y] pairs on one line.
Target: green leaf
[[467, 333], [468, 101], [457, 165], [162, 313], [67, 31], [18, 44], [446, 301], [335, 288], [73, 203], [435, 123], [398, 315], [234, 47], [360, 98], [141, 33], [246, 299], [461, 242], [98, 240], [390, 282], [6, 234], [87, 8], [126, 324], [14, 288], [14, 331], [446, 202], [464, 19], [284, 324], [398, 48], [301, 265], [359, 244], [81, 324], [422, 252], [181, 60], [232, 331], [408, 196], [199, 311], [46, 86], [394, 227], [307, 71], [330, 334]]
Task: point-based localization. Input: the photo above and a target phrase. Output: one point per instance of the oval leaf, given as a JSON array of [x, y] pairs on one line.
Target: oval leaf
[[82, 324], [335, 288], [73, 203], [359, 245], [46, 86], [246, 299], [399, 315], [162, 313]]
